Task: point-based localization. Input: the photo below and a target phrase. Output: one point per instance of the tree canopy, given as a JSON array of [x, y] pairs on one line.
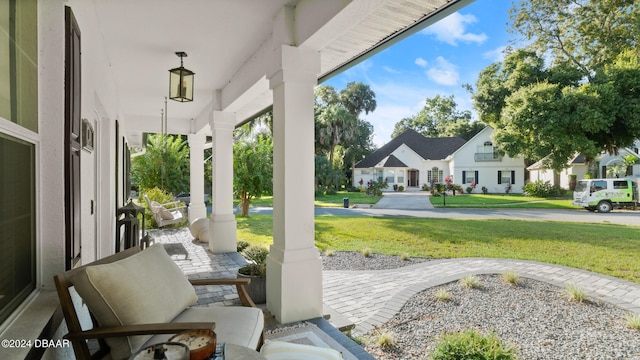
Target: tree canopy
[[339, 129], [584, 98], [252, 169], [440, 117], [165, 164]]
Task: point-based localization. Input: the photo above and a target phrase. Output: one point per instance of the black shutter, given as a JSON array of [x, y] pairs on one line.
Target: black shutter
[[499, 177], [464, 177], [513, 177], [476, 175]]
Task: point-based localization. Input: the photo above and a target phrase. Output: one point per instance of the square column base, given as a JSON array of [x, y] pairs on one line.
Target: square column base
[[294, 287], [222, 234]]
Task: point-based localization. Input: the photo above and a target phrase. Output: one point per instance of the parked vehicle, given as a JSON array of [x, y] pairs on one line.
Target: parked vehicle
[[605, 194]]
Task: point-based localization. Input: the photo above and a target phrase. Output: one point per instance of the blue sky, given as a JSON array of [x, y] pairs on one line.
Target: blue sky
[[437, 60]]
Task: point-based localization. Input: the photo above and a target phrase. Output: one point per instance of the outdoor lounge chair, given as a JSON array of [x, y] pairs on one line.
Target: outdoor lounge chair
[[165, 214], [141, 297]]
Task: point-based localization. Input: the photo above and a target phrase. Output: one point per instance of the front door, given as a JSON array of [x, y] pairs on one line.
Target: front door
[[72, 140], [413, 178]]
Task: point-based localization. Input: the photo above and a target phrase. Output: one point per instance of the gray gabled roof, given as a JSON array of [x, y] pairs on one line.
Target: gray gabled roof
[[427, 148], [393, 161]]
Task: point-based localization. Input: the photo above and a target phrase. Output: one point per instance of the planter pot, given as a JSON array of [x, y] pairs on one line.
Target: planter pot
[[257, 289]]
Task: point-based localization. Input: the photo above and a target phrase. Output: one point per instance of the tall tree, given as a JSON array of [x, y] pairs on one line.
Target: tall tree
[[252, 169], [585, 100], [438, 118], [165, 164], [337, 126], [586, 34], [358, 98], [338, 121]]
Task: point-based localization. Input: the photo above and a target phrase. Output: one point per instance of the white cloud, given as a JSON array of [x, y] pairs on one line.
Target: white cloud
[[443, 72], [391, 70], [452, 29], [421, 62], [496, 54]]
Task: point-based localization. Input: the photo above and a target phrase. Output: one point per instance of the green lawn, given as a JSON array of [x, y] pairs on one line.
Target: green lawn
[[604, 248], [501, 201]]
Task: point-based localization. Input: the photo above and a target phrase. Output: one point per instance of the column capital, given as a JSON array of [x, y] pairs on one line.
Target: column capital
[[196, 139], [294, 64], [222, 120]]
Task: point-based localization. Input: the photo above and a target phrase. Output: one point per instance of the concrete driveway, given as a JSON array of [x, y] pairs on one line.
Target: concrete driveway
[[411, 200]]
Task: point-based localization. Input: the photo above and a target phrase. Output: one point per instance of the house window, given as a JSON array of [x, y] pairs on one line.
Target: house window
[[365, 172], [435, 175], [19, 62], [17, 206], [390, 176], [470, 176], [379, 175], [400, 176], [18, 105], [507, 177]]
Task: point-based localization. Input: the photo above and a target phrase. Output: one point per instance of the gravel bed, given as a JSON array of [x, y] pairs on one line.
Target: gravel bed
[[535, 318], [351, 260]]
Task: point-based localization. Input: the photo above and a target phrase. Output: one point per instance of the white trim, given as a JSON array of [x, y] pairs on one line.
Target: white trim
[[18, 131]]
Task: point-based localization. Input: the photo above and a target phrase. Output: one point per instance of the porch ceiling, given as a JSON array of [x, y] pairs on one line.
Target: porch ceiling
[[230, 44]]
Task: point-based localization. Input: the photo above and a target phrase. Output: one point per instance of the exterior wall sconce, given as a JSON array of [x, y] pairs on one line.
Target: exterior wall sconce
[[181, 82]]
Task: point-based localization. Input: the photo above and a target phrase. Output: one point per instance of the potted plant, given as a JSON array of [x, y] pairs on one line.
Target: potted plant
[[256, 270]]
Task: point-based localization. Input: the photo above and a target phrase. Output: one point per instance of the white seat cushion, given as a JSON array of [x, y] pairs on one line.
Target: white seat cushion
[[280, 350], [145, 288], [234, 324]]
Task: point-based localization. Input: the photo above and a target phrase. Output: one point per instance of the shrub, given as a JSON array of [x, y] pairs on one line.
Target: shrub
[[257, 255], [469, 189], [366, 252], [404, 256], [400, 188], [425, 187], [443, 295], [241, 245], [574, 293], [471, 344], [375, 188], [470, 282], [395, 187], [511, 277], [633, 321], [484, 190], [539, 188], [386, 339], [329, 252]]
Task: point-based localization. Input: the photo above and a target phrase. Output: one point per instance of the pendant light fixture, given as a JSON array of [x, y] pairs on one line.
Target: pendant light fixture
[[181, 82]]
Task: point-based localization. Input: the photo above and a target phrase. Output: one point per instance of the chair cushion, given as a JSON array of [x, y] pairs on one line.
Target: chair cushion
[[147, 287], [157, 208], [280, 350], [234, 324]]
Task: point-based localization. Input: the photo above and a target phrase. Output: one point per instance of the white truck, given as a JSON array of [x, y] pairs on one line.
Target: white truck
[[605, 194]]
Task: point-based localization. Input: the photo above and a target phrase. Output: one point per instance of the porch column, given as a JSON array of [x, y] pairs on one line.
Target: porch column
[[294, 268], [222, 228], [197, 207]]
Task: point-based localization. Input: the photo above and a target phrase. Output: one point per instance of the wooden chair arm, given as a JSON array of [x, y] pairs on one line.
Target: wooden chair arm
[[140, 329], [240, 284]]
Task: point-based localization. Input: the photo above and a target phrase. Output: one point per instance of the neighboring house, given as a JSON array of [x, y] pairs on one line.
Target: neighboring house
[[412, 160], [579, 167]]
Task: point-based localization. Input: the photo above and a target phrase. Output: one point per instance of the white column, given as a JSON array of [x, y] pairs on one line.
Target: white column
[[294, 268], [197, 208], [222, 229]]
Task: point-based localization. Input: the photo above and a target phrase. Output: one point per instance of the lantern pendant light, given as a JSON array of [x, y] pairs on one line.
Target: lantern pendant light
[[181, 82]]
